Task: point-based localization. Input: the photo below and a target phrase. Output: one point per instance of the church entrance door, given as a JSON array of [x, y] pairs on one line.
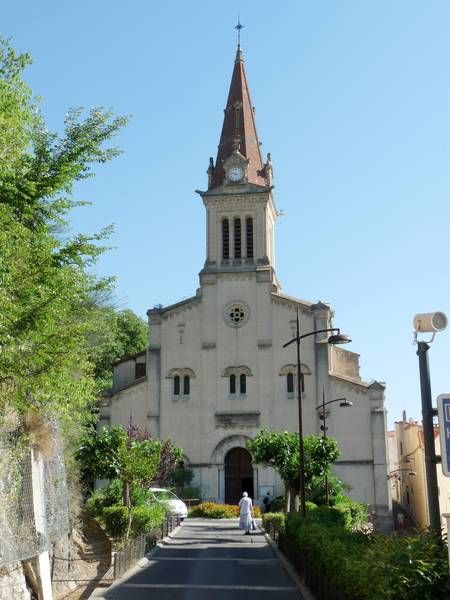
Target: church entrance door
[[238, 475]]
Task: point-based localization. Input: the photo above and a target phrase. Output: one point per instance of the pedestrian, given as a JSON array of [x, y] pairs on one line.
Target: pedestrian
[[245, 513], [267, 501]]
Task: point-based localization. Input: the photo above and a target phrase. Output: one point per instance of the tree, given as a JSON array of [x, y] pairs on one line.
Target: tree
[[130, 455], [121, 333], [280, 450], [46, 286]]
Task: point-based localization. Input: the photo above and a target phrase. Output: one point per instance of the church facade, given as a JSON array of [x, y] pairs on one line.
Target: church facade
[[215, 371]]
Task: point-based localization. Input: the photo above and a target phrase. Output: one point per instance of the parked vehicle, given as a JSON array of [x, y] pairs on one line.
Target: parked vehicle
[[174, 504]]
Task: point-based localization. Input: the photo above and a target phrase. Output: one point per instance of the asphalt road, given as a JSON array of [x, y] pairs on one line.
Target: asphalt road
[[207, 560]]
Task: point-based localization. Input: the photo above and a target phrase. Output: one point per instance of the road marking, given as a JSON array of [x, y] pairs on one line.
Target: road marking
[[259, 561], [180, 586]]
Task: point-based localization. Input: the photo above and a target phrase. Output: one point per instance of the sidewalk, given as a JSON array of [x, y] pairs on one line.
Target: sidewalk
[[207, 559]]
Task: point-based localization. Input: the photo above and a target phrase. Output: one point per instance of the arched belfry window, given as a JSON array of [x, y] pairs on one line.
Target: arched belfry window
[[176, 385], [249, 236], [237, 238], [225, 239]]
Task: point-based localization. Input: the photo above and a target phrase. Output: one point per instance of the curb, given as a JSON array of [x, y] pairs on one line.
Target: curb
[[289, 568]]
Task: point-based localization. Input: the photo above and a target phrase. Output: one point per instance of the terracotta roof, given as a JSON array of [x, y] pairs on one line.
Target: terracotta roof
[[239, 128]]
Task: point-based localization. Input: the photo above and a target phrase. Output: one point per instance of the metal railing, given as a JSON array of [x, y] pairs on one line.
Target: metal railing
[[138, 547]]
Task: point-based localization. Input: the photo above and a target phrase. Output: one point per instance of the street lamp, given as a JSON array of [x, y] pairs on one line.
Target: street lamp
[[429, 323], [336, 338], [323, 427]]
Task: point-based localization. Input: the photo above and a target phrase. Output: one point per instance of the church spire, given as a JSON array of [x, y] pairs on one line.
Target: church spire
[[239, 130]]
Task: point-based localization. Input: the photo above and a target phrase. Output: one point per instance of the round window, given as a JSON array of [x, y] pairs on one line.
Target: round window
[[236, 314]]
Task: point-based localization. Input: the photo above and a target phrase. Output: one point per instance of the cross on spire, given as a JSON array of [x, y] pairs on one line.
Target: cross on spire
[[239, 27]]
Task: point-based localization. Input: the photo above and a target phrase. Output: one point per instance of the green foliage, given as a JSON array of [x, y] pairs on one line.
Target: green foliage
[[211, 510], [98, 453], [146, 518], [371, 566], [112, 494], [413, 567], [180, 480], [115, 520], [121, 334], [46, 284], [131, 456], [279, 504], [315, 488], [274, 521], [280, 450]]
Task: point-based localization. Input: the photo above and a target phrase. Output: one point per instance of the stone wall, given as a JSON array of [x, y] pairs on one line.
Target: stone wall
[[12, 582]]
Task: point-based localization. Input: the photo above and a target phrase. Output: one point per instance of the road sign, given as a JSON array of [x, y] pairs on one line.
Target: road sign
[[443, 403]]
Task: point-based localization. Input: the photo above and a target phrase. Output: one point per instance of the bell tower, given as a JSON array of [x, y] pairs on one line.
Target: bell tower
[[239, 203]]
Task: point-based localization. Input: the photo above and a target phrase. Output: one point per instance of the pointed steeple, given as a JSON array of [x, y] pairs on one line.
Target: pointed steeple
[[239, 130]]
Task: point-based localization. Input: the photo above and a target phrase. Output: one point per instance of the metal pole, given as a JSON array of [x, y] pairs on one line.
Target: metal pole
[[301, 472], [327, 493], [428, 437]]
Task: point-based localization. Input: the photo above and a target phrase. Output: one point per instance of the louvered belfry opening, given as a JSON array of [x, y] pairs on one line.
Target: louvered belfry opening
[[238, 475]]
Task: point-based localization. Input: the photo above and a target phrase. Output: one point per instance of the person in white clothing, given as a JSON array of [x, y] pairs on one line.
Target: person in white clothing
[[245, 513]]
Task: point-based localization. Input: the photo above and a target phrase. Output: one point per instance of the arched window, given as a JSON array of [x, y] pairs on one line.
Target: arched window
[[225, 239], [243, 384], [290, 373], [176, 385], [237, 238], [249, 236], [232, 383], [186, 385], [290, 383]]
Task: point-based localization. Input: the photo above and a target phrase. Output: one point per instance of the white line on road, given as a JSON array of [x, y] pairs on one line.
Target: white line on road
[[181, 586]]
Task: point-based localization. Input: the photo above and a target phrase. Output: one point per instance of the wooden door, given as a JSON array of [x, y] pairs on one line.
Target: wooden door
[[238, 475]]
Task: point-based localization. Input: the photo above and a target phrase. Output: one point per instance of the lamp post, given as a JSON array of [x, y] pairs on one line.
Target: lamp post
[[431, 323], [323, 427], [336, 338]]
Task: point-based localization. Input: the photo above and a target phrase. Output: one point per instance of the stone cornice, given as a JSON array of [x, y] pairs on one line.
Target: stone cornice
[[350, 381], [291, 302]]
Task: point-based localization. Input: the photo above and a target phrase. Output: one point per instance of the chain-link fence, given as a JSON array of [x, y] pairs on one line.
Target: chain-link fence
[[34, 509]]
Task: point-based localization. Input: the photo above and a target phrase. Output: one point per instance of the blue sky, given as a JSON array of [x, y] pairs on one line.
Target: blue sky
[[352, 100]]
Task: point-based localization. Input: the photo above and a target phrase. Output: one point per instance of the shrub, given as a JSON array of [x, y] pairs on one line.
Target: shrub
[[279, 504], [211, 510], [413, 567], [104, 497], [273, 521], [112, 494], [146, 518], [371, 567], [115, 520]]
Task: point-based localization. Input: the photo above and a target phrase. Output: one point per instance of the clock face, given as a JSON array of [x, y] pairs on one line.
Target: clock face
[[235, 174]]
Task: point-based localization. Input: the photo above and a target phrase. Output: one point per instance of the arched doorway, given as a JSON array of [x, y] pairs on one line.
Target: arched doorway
[[238, 475]]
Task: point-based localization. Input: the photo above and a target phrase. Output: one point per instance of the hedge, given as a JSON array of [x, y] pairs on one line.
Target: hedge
[[143, 519], [372, 566], [211, 510]]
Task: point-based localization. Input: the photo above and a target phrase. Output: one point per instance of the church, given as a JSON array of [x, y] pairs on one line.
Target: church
[[215, 371]]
